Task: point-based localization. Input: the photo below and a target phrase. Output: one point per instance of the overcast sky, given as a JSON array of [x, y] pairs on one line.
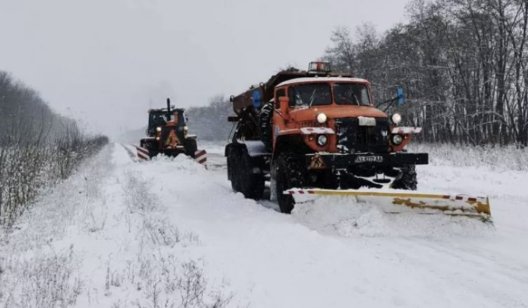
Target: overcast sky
[[107, 61]]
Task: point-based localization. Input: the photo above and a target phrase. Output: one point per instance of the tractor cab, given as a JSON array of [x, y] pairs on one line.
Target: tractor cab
[[159, 118], [156, 119]]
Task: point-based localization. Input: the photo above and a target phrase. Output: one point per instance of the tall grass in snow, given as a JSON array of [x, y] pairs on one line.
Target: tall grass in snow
[[37, 147], [25, 170]]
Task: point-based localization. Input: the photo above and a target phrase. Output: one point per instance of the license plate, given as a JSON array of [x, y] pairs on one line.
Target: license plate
[[367, 121], [369, 159]]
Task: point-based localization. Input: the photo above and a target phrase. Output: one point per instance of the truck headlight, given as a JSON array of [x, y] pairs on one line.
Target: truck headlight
[[396, 118], [321, 140], [158, 129], [397, 139], [321, 118], [185, 130]]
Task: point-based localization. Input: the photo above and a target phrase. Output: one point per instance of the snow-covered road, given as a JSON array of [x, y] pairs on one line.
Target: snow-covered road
[[123, 234]]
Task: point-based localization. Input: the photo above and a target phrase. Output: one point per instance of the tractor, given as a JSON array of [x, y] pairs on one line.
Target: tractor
[[167, 134]]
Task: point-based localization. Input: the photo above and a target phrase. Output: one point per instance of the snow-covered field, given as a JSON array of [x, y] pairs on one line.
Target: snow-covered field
[[168, 233]]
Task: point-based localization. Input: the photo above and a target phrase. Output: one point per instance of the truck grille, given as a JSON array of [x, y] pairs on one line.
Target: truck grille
[[352, 138]]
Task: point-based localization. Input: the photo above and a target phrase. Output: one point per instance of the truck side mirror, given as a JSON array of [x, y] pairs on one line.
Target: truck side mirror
[[399, 99], [284, 104], [256, 98], [400, 96]]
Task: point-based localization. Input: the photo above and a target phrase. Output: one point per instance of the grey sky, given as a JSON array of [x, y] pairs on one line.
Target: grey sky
[[106, 61]]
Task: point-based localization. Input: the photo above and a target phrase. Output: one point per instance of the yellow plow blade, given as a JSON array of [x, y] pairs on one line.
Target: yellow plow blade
[[457, 205]]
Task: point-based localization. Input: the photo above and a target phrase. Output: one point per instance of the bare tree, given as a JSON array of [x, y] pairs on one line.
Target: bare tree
[[463, 63]]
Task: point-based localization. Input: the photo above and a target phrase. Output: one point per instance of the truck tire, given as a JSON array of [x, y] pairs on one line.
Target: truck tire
[[266, 113], [250, 184], [190, 147], [408, 179], [290, 173], [233, 157]]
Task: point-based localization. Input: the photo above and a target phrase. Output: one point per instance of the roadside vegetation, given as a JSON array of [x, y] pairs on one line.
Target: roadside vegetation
[[38, 147]]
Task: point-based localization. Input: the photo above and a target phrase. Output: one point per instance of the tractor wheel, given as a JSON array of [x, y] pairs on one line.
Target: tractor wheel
[[190, 147], [151, 146], [290, 173], [266, 113], [408, 179], [251, 184]]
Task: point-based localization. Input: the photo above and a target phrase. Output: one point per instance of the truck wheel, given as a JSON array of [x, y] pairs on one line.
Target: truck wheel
[[233, 157], [290, 173], [190, 147], [251, 184], [266, 113], [408, 179]]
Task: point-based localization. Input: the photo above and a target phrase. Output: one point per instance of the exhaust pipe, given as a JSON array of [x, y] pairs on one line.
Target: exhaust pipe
[[168, 109]]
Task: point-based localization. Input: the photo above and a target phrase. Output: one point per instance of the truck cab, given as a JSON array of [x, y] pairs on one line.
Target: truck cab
[[326, 105]]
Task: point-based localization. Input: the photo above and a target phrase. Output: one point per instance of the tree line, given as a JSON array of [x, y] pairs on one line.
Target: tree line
[[38, 147], [463, 63], [210, 122]]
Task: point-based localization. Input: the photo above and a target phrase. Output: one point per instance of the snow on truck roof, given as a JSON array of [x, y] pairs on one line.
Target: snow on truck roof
[[321, 79]]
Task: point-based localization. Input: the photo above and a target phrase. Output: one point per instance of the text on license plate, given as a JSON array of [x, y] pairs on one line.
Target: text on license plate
[[369, 159]]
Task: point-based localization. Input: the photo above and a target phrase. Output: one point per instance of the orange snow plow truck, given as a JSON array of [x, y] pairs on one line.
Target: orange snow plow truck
[[315, 134]]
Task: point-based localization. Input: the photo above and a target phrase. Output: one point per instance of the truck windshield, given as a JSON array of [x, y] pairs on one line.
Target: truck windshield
[[310, 94], [351, 94]]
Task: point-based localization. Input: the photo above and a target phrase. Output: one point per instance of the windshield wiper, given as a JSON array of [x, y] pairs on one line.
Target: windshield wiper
[[312, 98], [356, 99]]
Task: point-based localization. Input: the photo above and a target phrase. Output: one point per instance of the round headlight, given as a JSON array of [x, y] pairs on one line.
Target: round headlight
[[321, 140], [396, 118], [158, 129], [397, 139], [321, 118]]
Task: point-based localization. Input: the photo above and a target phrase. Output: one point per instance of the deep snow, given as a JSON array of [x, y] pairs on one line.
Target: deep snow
[[121, 233]]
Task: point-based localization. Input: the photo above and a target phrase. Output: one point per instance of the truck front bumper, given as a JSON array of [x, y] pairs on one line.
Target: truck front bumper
[[319, 161]]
